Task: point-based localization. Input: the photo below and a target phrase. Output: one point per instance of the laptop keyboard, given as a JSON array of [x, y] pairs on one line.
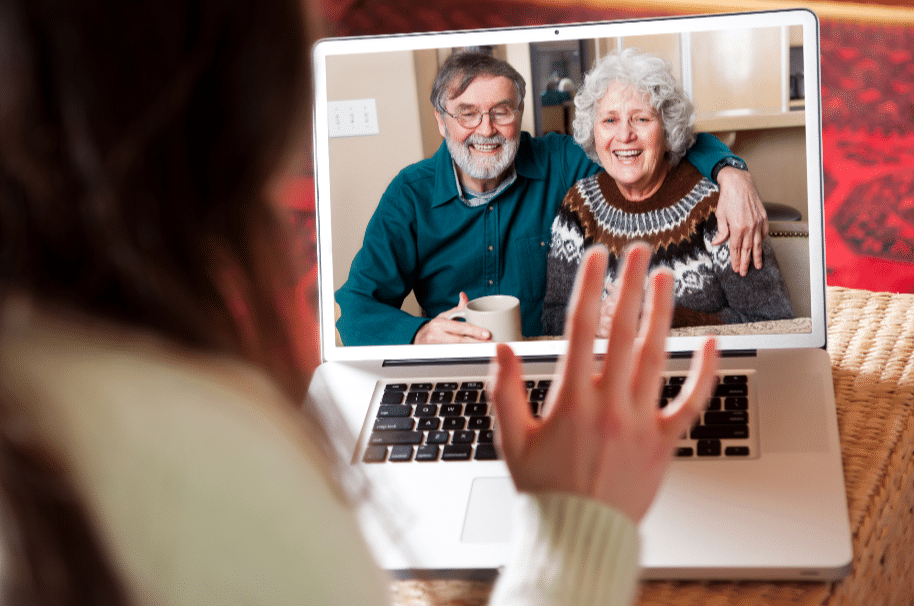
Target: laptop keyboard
[[431, 421]]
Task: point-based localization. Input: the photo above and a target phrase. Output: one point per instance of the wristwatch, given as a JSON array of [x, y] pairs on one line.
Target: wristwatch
[[728, 161]]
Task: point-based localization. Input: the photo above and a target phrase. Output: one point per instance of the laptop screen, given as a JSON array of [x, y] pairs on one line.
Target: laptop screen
[[753, 79]]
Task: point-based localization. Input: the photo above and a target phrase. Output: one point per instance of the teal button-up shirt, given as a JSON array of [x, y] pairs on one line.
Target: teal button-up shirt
[[424, 238]]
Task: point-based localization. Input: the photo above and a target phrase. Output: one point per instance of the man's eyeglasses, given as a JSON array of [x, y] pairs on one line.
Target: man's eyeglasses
[[471, 118]]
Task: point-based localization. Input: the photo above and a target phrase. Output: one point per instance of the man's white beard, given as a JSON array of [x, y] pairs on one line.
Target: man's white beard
[[483, 168]]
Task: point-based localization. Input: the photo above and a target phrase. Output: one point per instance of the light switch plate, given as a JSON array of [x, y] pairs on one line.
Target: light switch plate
[[354, 118]]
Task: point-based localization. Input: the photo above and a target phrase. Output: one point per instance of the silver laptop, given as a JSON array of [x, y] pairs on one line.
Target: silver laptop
[[764, 502]]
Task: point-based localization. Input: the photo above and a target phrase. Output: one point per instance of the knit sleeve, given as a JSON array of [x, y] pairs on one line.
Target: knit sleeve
[[758, 296], [571, 551], [561, 266]]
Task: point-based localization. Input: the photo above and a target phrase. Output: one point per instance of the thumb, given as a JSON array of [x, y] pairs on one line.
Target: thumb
[[723, 231], [463, 300]]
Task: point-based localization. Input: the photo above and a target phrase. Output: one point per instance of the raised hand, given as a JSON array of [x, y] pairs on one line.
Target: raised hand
[[601, 434]]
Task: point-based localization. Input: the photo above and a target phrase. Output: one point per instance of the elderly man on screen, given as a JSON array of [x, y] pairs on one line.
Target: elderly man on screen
[[475, 219]]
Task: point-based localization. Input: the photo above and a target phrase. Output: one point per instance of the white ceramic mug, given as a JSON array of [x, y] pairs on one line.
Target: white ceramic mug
[[499, 314]]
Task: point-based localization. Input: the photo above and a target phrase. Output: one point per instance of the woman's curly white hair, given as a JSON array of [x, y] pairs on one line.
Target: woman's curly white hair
[[649, 75]]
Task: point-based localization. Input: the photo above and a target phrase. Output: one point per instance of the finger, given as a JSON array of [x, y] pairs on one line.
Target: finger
[[655, 327], [624, 324], [583, 316], [462, 300], [757, 249], [737, 258], [723, 231], [465, 330], [746, 254], [441, 330], [681, 414], [509, 399]]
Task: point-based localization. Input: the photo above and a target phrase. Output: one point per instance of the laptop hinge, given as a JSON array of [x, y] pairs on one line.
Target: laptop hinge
[[733, 353]]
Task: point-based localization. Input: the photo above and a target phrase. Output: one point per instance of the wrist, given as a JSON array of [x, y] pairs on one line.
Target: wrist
[[728, 162]]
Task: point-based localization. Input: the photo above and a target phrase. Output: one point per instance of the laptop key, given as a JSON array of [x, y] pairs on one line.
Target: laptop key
[[736, 403], [726, 390], [453, 423], [394, 423], [737, 451], [479, 423], [392, 397], [476, 410], [389, 438], [684, 451], [708, 448], [464, 436], [451, 410], [720, 432], [730, 417], [395, 411], [442, 397], [467, 395], [427, 452], [438, 437], [426, 410], [375, 454], [417, 397], [670, 391], [457, 452], [428, 424], [401, 454], [486, 436], [486, 452]]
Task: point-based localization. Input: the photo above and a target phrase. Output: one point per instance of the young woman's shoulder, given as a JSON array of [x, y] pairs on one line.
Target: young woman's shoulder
[[196, 469]]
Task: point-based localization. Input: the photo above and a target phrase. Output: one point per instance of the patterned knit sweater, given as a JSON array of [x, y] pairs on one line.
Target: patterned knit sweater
[[679, 223]]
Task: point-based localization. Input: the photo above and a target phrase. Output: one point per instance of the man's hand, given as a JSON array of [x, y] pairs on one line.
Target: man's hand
[[441, 330], [602, 434], [741, 218]]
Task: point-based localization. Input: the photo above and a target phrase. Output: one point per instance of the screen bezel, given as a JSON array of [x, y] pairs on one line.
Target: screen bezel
[[550, 348]]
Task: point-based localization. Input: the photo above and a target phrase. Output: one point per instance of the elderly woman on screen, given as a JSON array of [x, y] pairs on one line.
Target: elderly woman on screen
[[635, 120]]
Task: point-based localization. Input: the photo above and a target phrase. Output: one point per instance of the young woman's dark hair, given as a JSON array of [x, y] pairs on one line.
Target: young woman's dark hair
[[139, 141], [137, 145]]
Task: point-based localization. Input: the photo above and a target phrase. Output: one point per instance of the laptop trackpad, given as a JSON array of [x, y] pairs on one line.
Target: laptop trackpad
[[488, 517]]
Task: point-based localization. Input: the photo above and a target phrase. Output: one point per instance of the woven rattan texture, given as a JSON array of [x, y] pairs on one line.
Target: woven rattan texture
[[871, 341]]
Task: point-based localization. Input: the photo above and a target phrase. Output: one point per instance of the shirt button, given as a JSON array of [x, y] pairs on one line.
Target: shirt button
[[542, 244], [491, 282], [491, 208], [491, 247]]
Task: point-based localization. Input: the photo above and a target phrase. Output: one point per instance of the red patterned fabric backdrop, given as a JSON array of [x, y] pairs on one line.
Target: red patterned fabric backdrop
[[867, 116]]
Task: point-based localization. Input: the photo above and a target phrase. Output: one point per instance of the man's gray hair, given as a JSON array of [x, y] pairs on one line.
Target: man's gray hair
[[462, 67], [648, 75]]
